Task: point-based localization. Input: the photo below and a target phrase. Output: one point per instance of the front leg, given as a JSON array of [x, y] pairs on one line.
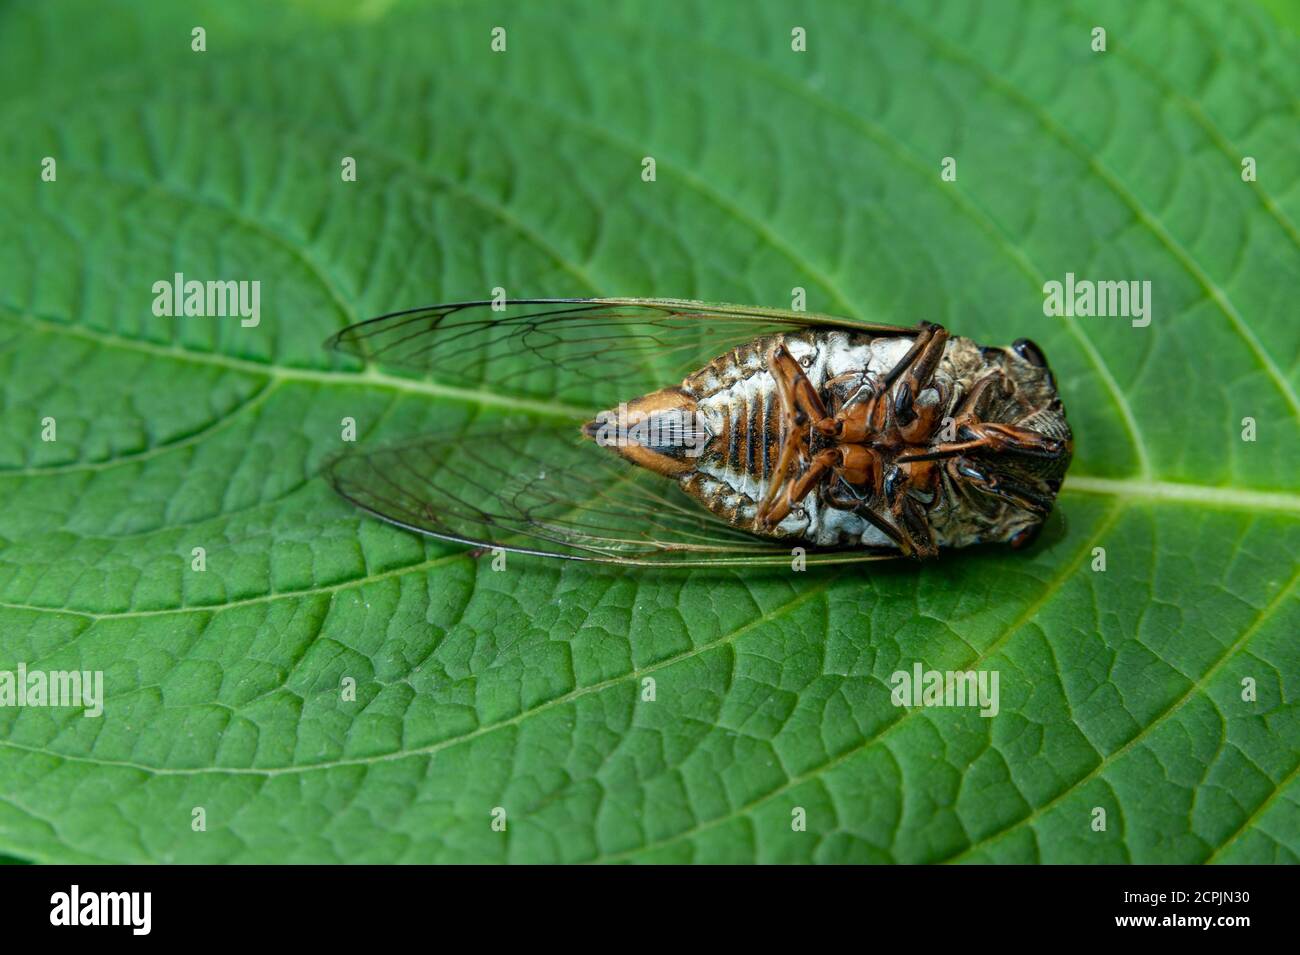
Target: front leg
[[795, 491], [914, 373], [892, 403]]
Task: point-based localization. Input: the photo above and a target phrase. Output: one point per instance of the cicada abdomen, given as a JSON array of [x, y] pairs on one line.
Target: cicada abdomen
[[856, 440], [860, 440]]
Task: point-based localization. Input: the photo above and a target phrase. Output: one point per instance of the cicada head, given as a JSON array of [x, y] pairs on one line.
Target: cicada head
[[1012, 481]]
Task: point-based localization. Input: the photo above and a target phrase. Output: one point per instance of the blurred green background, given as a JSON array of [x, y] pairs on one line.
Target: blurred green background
[[1123, 689]]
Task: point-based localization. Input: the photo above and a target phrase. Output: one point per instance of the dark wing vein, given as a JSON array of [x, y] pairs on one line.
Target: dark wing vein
[[592, 352]]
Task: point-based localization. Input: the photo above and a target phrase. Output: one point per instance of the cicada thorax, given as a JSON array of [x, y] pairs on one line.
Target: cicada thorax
[[898, 469]]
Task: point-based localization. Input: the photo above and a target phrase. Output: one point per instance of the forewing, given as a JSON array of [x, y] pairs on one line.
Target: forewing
[[586, 353], [545, 489]]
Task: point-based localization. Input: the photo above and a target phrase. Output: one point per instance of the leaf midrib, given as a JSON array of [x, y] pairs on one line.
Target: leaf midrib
[[1230, 497]]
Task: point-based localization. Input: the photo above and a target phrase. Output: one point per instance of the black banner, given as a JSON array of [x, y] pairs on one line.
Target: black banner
[[333, 905]]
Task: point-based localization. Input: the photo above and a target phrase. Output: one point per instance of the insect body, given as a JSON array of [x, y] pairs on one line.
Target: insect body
[[854, 440], [838, 439]]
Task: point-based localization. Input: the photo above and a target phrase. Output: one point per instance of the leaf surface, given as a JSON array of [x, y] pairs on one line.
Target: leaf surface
[[526, 689]]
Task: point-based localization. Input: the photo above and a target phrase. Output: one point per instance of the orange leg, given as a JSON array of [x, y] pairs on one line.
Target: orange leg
[[905, 523], [993, 436], [892, 406], [800, 406], [798, 396], [925, 419], [795, 491], [858, 465], [915, 371]]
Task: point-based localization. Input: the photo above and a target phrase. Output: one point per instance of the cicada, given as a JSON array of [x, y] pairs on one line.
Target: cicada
[[667, 431]]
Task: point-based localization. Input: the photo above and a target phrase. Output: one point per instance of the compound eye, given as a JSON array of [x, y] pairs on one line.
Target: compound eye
[[1030, 352]]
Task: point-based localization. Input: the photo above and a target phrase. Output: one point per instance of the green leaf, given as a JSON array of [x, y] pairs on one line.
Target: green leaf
[[1120, 689]]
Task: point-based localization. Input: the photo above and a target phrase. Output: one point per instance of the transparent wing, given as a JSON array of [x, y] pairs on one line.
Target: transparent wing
[[588, 353], [545, 489]]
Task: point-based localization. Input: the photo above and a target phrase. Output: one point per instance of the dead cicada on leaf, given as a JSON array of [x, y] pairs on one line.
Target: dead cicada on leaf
[[677, 432]]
